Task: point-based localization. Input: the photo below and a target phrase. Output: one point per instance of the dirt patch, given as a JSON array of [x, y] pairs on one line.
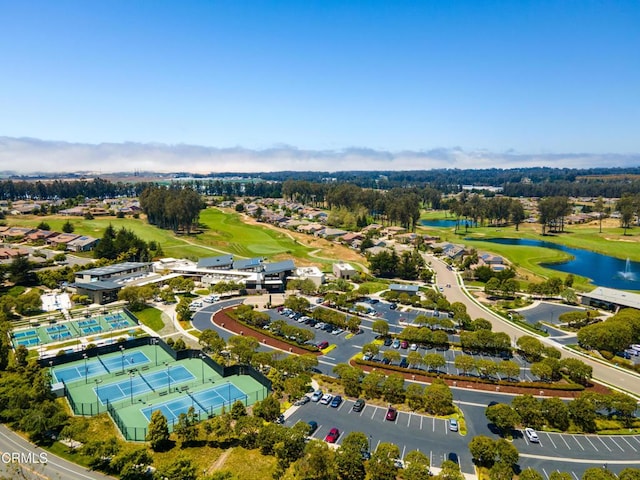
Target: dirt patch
[[225, 321], [219, 463]]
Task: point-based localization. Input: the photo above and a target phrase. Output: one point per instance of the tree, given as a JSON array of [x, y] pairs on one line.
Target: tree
[[268, 409], [67, 227], [243, 348], [576, 370], [556, 413], [381, 327], [434, 361], [506, 452], [393, 388], [371, 384], [43, 226], [211, 341], [417, 466], [486, 368], [349, 457], [414, 395], [503, 417], [351, 378], [466, 363], [500, 471], [382, 466], [529, 409], [530, 474], [629, 474], [583, 413], [187, 427], [318, 463], [238, 410], [510, 369], [483, 450], [530, 347], [438, 399], [20, 271], [560, 476], [158, 431], [181, 468], [595, 473], [392, 355], [450, 470]]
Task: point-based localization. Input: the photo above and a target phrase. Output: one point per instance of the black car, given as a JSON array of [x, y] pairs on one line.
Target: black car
[[313, 426], [359, 405], [387, 341], [393, 306], [404, 363], [328, 327]]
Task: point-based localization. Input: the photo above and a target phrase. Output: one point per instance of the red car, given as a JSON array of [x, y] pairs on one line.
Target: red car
[[392, 413], [332, 436], [404, 344]]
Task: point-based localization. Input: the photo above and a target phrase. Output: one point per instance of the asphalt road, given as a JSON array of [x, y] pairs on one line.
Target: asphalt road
[[33, 463], [604, 373], [431, 436]]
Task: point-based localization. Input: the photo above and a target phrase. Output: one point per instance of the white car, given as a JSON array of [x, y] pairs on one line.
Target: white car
[[532, 435], [413, 347], [326, 398]]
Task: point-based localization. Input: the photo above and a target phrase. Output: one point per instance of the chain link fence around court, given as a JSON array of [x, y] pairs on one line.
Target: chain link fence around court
[[139, 433]]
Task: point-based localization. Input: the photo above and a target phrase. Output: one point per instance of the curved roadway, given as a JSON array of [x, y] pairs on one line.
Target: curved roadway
[[612, 376]]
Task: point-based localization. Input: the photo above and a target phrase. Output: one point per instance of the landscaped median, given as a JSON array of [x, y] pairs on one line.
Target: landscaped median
[[564, 388], [227, 320]]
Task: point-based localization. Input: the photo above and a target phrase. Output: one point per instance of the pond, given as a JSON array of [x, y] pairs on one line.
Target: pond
[[440, 223], [603, 270]]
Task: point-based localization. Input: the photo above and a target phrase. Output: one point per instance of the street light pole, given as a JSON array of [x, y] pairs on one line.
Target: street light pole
[[155, 349], [98, 382], [131, 375], [84, 355], [122, 357], [202, 366], [168, 377]]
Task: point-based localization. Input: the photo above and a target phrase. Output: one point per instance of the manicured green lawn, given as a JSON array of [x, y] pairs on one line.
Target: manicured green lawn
[[151, 317], [228, 231], [376, 286]]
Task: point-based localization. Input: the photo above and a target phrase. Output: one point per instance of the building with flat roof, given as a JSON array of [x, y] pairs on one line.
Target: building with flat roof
[[344, 270], [611, 299], [402, 288]]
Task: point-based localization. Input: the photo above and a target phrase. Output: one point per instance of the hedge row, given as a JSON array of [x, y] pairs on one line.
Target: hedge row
[[569, 387]]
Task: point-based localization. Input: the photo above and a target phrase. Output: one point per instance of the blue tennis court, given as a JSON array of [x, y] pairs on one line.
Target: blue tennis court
[[99, 366], [25, 334], [140, 384], [57, 328], [87, 323], [126, 361], [204, 402], [29, 342], [60, 336], [90, 330]]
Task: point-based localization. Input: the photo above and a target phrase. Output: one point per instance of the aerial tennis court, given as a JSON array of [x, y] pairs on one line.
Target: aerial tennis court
[[50, 331], [204, 402], [100, 366], [140, 384]]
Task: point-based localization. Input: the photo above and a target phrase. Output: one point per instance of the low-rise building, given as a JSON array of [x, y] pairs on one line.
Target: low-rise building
[[344, 270]]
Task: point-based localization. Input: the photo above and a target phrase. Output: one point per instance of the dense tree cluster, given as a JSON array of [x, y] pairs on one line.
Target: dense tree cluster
[[124, 246], [614, 334], [495, 211], [61, 189], [388, 264], [552, 212], [177, 209]]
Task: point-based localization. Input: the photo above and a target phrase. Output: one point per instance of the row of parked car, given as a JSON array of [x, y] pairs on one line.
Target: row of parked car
[[298, 317]]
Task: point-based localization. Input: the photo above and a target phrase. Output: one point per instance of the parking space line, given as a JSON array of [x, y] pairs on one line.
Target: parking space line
[[579, 444], [616, 443], [634, 448], [589, 440], [434, 424], [545, 474], [376, 446], [341, 405], [636, 438], [404, 447], [606, 446], [421, 418], [409, 421], [552, 442], [565, 442], [375, 409], [574, 474]]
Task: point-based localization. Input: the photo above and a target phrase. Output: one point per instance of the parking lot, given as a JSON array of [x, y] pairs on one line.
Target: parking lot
[[409, 431]]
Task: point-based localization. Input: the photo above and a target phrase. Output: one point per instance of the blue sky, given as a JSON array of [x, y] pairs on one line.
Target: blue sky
[[533, 77]]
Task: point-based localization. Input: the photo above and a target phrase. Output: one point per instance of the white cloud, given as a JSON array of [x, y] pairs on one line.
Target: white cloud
[[28, 155]]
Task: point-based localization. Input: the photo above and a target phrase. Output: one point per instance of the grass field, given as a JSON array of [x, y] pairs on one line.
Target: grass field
[[223, 232], [611, 241], [151, 317]]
